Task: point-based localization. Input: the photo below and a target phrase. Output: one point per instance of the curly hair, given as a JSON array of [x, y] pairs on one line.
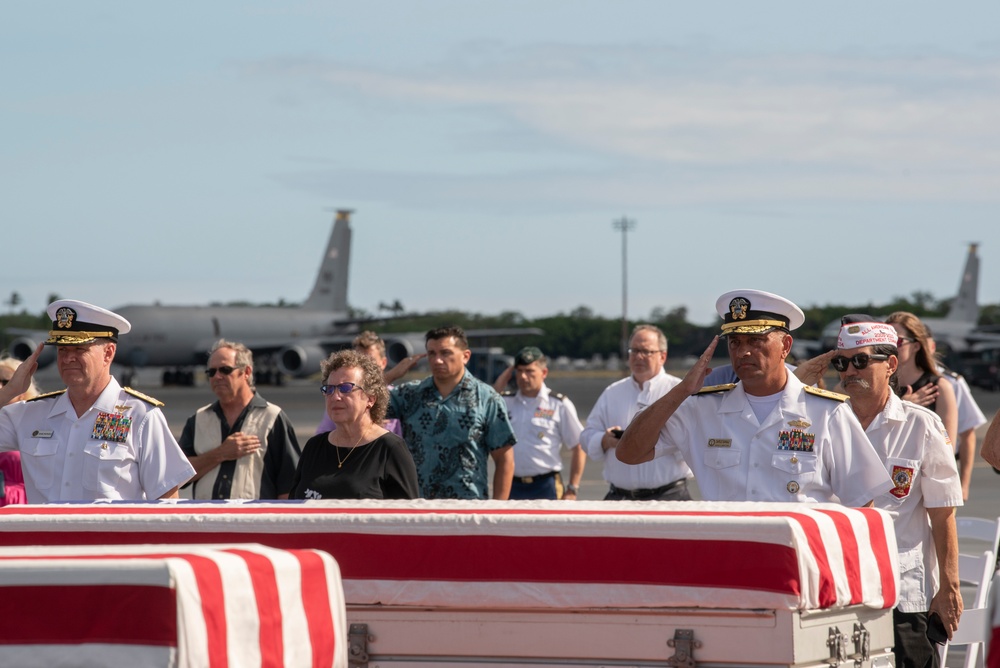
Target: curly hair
[[372, 381]]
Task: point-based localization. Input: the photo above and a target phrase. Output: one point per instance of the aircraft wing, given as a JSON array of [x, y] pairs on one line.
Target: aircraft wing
[[302, 357]]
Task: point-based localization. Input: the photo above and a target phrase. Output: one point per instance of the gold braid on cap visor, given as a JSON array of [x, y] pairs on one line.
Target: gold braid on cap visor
[[77, 338], [755, 325]]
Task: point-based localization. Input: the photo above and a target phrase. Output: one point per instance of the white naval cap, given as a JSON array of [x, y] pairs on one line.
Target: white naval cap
[[858, 331], [75, 323], [757, 312]]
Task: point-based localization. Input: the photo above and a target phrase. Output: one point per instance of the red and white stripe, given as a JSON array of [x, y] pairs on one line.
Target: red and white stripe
[[532, 554], [171, 605]]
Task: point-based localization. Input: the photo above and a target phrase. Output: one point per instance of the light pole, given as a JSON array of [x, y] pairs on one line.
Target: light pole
[[625, 225]]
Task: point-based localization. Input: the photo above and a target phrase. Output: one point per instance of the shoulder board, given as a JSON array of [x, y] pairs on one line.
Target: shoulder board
[[145, 397], [508, 393], [557, 395], [710, 389], [47, 395], [826, 394]]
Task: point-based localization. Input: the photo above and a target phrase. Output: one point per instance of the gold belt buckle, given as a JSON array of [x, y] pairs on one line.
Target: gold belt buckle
[[528, 480]]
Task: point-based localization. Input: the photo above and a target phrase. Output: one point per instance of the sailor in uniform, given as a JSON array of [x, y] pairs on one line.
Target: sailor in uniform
[[768, 437], [544, 422], [94, 439]]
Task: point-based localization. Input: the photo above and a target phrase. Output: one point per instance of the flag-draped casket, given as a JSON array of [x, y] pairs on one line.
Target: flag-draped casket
[[493, 570], [171, 605]]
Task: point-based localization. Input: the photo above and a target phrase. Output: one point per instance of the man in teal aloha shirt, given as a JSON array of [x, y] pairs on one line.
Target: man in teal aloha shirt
[[452, 421]]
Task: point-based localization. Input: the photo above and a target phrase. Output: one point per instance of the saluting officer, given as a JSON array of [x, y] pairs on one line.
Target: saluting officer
[[544, 422], [768, 437], [95, 439]]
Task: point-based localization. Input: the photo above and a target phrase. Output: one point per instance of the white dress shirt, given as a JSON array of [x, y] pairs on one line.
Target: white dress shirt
[[810, 447], [70, 458], [543, 424], [617, 405], [912, 442]]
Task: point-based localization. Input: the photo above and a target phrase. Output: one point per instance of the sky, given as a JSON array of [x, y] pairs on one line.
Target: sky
[[194, 152]]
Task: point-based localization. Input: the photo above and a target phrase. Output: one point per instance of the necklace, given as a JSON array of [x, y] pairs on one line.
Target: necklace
[[340, 462]]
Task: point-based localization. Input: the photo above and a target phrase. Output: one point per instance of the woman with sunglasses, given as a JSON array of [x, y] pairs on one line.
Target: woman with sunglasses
[[918, 368], [359, 459]]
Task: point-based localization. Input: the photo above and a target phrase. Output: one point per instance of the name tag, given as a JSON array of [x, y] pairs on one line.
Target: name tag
[[40, 433], [720, 442]]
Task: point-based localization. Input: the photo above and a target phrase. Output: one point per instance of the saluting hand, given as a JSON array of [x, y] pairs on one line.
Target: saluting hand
[[500, 384], [811, 371], [695, 378], [20, 381]]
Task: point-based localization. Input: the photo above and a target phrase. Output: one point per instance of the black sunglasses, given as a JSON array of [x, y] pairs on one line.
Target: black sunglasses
[[343, 388], [860, 361], [224, 370]]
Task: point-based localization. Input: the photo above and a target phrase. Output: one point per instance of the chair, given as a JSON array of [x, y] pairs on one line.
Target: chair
[[977, 528], [974, 628]]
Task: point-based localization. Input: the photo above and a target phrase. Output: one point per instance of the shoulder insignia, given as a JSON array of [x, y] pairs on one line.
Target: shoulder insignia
[[558, 395], [826, 394], [711, 389], [145, 397], [47, 395]]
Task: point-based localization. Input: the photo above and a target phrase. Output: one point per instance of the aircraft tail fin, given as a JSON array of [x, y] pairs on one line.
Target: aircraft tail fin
[[329, 293], [965, 305]]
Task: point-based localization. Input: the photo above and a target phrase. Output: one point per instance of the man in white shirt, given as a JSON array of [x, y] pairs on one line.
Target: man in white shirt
[[95, 439], [544, 422], [768, 437], [664, 479], [913, 445]]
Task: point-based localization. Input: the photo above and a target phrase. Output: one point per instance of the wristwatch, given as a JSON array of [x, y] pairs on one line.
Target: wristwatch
[[572, 489]]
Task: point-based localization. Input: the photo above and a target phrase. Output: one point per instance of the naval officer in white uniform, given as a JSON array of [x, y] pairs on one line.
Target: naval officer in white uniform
[[95, 439], [768, 437]]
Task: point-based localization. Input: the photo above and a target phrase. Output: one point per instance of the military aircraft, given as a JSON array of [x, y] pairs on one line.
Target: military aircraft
[[289, 341]]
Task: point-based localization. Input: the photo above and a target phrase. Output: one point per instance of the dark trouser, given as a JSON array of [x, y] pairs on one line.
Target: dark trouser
[[675, 491], [910, 643], [545, 486]]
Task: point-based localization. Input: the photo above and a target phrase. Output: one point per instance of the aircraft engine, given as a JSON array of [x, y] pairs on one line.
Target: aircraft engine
[[397, 349], [300, 361], [22, 347]]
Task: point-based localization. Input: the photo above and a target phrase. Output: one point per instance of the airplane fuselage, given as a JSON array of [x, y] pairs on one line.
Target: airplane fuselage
[[183, 335]]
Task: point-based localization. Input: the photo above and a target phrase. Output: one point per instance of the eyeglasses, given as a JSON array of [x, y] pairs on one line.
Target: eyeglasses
[[639, 352], [224, 370], [906, 339], [860, 361], [343, 388]]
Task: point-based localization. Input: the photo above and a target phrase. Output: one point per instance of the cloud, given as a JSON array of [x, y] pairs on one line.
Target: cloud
[[696, 125]]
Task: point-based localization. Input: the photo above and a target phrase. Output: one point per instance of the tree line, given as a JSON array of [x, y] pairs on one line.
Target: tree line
[[581, 333]]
